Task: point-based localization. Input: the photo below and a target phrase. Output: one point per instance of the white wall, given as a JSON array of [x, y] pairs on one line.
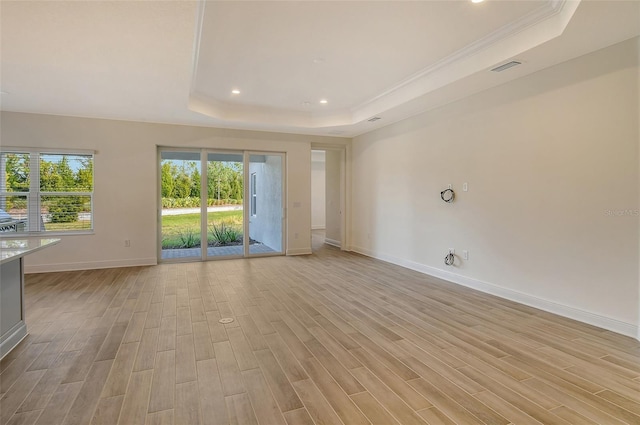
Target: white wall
[[125, 201], [551, 215], [318, 175], [333, 166]]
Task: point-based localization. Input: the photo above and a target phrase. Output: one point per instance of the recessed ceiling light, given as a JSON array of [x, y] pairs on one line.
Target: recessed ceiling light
[[318, 60], [323, 101], [477, 1], [235, 91]]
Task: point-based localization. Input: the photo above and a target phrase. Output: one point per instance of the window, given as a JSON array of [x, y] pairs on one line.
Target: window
[[43, 191], [253, 192]]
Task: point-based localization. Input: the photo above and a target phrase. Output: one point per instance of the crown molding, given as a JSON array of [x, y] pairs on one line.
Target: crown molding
[[532, 30], [536, 27], [546, 11]]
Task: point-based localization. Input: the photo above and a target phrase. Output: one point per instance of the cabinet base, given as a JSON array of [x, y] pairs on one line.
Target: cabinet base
[[12, 338]]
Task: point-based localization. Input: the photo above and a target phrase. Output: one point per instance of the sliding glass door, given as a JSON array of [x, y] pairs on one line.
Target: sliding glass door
[[220, 204], [266, 181], [225, 216], [181, 212]]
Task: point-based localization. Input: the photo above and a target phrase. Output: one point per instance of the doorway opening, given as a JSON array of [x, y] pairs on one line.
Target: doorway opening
[[203, 214], [328, 197]]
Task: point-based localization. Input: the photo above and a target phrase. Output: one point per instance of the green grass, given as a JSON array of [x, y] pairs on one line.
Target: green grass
[[184, 229], [76, 225]]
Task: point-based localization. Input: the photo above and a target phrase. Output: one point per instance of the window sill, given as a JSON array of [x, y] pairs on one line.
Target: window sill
[[14, 235]]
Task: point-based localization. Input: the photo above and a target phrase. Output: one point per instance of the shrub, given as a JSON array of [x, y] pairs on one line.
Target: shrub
[[14, 202], [65, 209], [194, 202], [189, 239], [224, 233], [188, 202]]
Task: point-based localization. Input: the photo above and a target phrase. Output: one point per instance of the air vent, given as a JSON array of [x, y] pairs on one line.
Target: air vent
[[506, 66], [374, 119]]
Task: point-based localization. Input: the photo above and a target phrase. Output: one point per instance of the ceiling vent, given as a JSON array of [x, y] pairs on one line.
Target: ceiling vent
[[506, 66], [373, 119]]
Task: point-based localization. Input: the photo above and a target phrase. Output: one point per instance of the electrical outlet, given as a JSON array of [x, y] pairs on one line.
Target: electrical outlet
[[465, 254], [465, 187], [127, 243]]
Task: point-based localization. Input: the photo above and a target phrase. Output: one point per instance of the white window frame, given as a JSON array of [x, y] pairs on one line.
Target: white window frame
[[34, 195]]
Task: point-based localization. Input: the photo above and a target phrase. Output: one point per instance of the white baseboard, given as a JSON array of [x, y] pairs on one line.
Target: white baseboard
[[603, 322], [318, 227], [65, 267], [299, 251], [332, 242]]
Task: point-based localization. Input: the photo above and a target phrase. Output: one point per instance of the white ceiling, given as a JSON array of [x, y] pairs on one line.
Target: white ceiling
[[177, 61]]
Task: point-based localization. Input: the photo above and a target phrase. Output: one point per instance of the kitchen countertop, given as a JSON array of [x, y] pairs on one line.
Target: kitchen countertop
[[12, 249]]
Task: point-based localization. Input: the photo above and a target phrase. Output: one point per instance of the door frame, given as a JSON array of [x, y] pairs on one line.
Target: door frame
[[345, 189], [161, 149], [204, 202]]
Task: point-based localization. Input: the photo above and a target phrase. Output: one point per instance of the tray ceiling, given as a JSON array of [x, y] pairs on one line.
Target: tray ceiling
[[179, 61]]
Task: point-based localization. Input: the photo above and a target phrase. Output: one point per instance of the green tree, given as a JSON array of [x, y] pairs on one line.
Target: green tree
[[84, 176], [16, 172], [182, 184], [236, 186], [65, 209], [50, 179], [67, 179], [166, 179], [224, 180], [195, 182], [213, 177], [57, 176]]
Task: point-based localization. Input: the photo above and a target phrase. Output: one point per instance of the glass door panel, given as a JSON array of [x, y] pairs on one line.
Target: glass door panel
[[265, 203], [202, 204], [225, 212], [180, 223]]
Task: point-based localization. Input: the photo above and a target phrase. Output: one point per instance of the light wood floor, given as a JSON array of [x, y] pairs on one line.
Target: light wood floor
[[332, 338]]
